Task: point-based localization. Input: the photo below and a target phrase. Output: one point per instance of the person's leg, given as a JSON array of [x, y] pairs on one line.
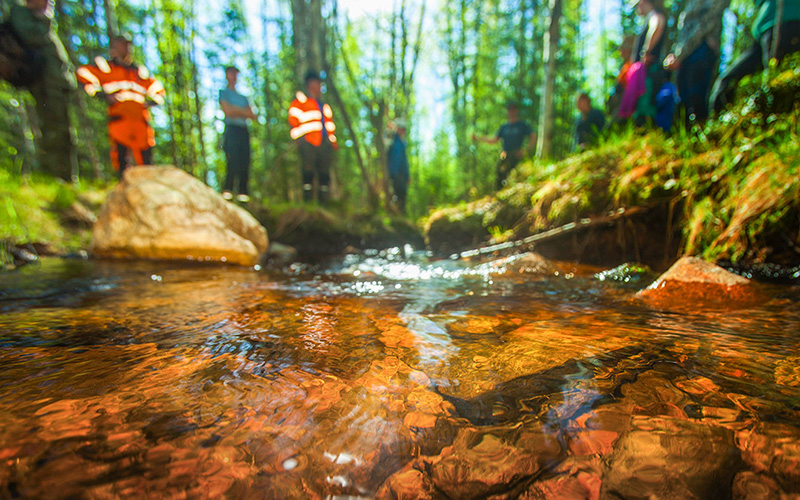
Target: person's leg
[[323, 171], [123, 155], [147, 156], [725, 87], [501, 171], [230, 163], [244, 166], [694, 81], [308, 155], [401, 191], [789, 39]]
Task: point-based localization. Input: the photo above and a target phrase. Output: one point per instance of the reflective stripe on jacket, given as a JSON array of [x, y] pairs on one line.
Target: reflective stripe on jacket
[[132, 86], [306, 120]]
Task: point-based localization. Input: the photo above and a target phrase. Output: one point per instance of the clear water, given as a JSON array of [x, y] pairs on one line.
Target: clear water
[[387, 376]]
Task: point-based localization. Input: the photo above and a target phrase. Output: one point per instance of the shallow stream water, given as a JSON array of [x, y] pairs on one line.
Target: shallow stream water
[[387, 375]]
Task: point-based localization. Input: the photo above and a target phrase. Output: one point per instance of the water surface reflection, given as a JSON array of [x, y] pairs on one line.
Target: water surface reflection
[[387, 376]]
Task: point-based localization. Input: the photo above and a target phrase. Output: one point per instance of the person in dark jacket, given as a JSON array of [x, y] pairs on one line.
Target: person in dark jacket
[[53, 92], [696, 55], [589, 124], [758, 56], [397, 165]]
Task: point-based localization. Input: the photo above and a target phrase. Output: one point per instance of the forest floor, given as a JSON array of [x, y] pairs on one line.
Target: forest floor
[[729, 193]]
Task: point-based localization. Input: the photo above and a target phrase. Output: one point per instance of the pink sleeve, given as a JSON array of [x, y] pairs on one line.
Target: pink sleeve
[[635, 86]]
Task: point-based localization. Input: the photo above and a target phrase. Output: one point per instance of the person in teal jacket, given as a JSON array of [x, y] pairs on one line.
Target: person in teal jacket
[[53, 92], [757, 57]]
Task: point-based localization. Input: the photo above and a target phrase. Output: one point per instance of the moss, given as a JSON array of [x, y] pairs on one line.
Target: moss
[[731, 187]]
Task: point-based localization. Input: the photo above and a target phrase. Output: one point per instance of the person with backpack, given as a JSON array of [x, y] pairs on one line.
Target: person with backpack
[[129, 91], [52, 90]]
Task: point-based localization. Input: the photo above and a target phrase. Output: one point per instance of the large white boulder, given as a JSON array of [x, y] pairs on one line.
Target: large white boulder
[[163, 213]]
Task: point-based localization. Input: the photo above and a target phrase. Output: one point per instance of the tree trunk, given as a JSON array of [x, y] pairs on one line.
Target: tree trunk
[[86, 134], [112, 28], [308, 36], [546, 118], [372, 191], [198, 103]]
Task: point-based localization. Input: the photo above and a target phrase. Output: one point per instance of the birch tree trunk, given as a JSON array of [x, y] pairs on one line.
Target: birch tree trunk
[[547, 115]]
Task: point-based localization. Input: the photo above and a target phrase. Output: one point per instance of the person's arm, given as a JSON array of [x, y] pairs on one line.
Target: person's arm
[[655, 30], [485, 138], [233, 111]]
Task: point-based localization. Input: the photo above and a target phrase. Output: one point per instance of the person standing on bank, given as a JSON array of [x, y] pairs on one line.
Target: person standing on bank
[[313, 131], [590, 123], [513, 134], [129, 91], [397, 165], [757, 57], [236, 140], [53, 91], [696, 56]]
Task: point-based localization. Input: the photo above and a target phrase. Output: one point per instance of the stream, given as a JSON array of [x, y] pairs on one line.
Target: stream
[[387, 375]]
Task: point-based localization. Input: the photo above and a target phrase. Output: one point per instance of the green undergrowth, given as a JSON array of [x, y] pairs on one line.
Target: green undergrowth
[[732, 187], [40, 209]]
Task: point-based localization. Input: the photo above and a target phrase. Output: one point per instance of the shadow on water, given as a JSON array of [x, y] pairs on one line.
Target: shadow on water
[[381, 372]]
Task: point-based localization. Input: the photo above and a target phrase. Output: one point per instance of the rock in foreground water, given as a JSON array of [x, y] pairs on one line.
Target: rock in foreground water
[[164, 213], [692, 283]]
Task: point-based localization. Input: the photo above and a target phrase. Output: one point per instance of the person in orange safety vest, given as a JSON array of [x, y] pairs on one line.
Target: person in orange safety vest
[[313, 131], [129, 90]]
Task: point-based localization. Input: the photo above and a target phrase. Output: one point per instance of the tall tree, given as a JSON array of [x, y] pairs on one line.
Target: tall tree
[[547, 118]]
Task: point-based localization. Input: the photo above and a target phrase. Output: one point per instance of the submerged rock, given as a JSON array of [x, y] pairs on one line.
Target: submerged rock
[[165, 213], [692, 283], [672, 458], [526, 263], [479, 464]]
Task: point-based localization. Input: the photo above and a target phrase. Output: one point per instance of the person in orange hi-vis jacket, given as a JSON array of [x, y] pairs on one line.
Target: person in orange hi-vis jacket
[[129, 90], [314, 132]]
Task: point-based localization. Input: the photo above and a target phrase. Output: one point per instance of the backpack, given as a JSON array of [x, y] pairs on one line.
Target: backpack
[[20, 65]]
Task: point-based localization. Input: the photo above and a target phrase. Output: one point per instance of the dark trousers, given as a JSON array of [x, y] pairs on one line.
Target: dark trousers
[[125, 157], [694, 83], [753, 61], [400, 187], [316, 168], [57, 151], [508, 161], [236, 144]]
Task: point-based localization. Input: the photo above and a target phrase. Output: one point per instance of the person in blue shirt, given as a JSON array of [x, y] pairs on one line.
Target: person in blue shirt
[[236, 140], [513, 135], [397, 165]]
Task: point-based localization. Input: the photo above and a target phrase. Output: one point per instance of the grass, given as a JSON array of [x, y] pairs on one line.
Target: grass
[[32, 210]]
